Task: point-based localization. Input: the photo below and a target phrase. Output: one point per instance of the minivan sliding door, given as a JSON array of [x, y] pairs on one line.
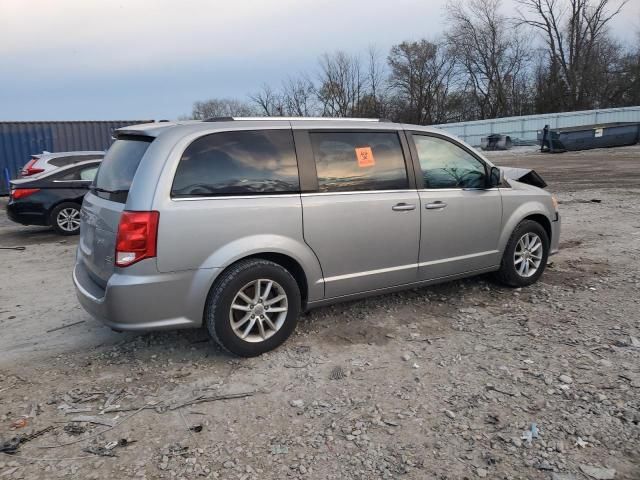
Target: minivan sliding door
[[362, 220]]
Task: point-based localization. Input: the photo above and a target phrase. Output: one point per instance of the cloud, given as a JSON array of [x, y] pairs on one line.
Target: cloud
[[152, 58], [106, 35]]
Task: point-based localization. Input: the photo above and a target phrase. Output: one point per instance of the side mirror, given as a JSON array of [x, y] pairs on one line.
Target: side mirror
[[495, 177]]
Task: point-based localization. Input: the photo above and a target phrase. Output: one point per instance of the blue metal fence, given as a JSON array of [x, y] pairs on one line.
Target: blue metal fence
[[525, 128], [20, 140]]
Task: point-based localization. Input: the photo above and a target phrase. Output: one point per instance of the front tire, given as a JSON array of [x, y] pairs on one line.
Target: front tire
[[65, 218], [253, 307], [525, 256]]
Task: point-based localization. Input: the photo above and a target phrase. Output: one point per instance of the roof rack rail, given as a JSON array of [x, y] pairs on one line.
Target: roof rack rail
[[218, 119], [348, 119]]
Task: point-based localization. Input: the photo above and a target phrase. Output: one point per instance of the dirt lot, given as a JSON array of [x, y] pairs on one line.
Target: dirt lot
[[435, 383]]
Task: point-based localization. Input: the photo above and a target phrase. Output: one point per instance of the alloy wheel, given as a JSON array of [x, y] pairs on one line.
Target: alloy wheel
[[258, 310], [68, 219], [528, 255]]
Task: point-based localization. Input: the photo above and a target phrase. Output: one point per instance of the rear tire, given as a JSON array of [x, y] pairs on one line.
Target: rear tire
[[525, 256], [65, 218], [254, 298]]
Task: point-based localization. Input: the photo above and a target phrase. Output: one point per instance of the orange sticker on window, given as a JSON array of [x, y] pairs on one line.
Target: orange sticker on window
[[365, 157]]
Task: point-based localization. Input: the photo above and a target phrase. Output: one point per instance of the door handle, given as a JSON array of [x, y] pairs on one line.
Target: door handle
[[435, 205], [403, 207]]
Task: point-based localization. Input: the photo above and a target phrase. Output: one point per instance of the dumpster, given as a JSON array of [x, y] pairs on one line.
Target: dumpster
[[496, 141], [586, 137]]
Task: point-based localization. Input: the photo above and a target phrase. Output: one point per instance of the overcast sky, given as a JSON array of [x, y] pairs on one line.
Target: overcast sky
[[151, 59]]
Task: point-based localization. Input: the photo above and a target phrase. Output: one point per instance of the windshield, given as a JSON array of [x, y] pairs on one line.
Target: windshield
[[119, 167]]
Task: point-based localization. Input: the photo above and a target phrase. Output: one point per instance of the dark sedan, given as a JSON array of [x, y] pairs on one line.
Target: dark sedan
[[52, 198]]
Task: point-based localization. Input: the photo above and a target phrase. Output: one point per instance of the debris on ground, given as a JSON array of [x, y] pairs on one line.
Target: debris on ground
[[74, 429], [598, 473], [20, 423], [10, 446], [97, 420], [107, 450], [337, 373]]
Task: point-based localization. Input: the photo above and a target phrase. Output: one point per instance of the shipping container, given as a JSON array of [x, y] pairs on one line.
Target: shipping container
[[20, 140]]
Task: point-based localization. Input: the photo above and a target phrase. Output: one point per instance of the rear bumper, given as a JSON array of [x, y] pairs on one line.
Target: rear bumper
[[146, 302], [18, 214]]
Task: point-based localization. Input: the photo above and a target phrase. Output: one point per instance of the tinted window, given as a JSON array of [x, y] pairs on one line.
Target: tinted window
[[238, 163], [68, 160], [80, 173], [74, 174], [445, 165], [88, 173], [358, 161], [119, 167]]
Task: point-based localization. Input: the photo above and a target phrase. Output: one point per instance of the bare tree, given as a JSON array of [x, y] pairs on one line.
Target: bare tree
[[269, 102], [420, 79], [299, 97], [627, 80], [491, 55], [342, 85], [295, 98], [376, 102], [576, 38], [221, 107], [486, 66]]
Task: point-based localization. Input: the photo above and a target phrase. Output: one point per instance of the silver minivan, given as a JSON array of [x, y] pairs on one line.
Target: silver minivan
[[241, 224]]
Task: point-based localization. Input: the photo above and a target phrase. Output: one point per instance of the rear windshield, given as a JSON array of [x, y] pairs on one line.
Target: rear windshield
[[119, 167]]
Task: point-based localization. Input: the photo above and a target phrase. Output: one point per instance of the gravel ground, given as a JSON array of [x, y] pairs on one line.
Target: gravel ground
[[462, 380]]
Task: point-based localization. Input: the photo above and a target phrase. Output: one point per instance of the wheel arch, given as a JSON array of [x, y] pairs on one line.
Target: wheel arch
[[543, 221], [55, 205], [291, 265], [535, 211], [308, 289]]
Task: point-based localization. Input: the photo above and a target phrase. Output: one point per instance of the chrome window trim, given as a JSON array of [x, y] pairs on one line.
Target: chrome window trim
[[493, 189], [315, 194], [65, 181], [356, 192], [280, 195], [229, 197]]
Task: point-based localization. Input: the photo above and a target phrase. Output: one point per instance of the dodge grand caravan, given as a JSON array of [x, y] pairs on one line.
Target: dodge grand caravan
[[241, 224]]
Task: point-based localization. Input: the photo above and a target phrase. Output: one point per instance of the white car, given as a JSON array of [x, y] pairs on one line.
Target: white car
[[47, 161]]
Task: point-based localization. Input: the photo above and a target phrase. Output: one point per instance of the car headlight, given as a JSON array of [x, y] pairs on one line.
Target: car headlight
[[554, 202]]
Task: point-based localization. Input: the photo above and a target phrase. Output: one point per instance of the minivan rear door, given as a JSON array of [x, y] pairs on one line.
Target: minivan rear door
[[363, 219], [103, 205]]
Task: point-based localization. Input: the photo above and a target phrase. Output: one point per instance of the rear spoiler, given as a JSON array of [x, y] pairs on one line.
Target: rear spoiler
[[524, 175], [132, 135]]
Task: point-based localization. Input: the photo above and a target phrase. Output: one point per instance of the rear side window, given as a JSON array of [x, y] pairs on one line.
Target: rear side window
[[238, 163], [348, 161], [87, 173], [119, 166], [69, 159]]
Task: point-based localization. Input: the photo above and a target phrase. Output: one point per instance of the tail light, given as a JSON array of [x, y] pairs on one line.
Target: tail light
[[23, 192], [29, 170], [137, 235]]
